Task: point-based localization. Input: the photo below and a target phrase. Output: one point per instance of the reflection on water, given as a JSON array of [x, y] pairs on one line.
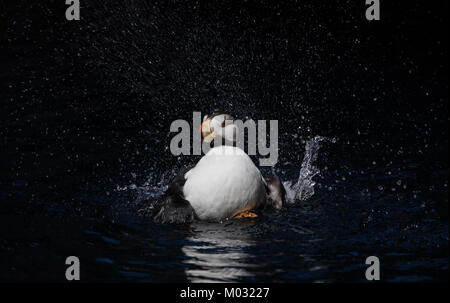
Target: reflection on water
[[218, 252]]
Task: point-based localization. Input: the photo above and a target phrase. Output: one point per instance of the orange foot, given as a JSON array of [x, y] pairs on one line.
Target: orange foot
[[245, 214]]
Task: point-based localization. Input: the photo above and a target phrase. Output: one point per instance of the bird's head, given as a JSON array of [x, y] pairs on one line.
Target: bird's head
[[218, 125]]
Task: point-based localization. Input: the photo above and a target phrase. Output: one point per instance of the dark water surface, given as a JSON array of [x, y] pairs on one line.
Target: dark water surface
[[86, 110]]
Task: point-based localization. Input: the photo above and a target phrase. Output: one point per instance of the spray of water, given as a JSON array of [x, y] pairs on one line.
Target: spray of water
[[303, 189], [147, 192]]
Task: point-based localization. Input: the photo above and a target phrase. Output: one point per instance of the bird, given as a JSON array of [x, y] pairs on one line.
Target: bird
[[224, 184]]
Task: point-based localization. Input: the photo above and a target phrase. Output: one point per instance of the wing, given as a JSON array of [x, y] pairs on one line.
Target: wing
[[276, 193], [171, 206]]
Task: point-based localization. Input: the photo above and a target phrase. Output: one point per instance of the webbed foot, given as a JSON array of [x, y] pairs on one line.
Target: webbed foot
[[245, 214]]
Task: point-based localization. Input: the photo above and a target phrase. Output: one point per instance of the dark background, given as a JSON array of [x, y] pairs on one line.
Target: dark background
[[138, 65], [85, 103]]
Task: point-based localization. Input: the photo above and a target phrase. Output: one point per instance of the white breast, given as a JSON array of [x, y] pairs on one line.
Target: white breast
[[223, 183]]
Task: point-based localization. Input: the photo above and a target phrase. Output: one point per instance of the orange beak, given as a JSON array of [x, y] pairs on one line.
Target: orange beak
[[205, 129]]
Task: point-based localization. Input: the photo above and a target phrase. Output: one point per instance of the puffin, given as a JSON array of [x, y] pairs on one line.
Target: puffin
[[224, 184]]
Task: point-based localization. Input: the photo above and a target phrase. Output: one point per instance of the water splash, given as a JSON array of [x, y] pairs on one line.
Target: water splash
[[303, 189], [144, 196], [152, 187]]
